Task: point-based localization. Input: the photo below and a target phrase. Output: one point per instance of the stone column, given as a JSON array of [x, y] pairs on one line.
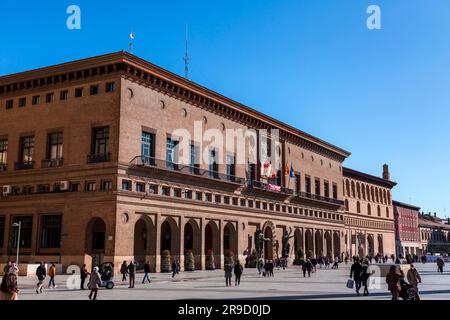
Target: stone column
[[202, 243], [220, 236], [181, 241], [304, 242], [314, 241], [158, 223]]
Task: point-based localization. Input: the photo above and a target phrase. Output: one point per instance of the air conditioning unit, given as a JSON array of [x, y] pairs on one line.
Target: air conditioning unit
[[64, 185], [6, 190]]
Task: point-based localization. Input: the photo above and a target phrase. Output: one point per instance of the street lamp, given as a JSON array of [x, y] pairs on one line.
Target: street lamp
[[18, 225]]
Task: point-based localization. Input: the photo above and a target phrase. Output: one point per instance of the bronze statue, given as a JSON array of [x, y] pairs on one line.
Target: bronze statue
[[285, 243]]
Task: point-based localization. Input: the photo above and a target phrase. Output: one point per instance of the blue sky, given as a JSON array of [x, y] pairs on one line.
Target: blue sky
[[383, 95]]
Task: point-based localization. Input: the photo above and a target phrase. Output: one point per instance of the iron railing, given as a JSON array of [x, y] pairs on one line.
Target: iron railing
[[24, 165], [97, 158], [51, 163], [267, 187]]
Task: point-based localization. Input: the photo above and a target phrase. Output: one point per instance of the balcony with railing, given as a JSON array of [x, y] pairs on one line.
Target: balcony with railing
[[52, 163], [24, 165], [270, 190], [98, 158], [172, 170], [302, 197]]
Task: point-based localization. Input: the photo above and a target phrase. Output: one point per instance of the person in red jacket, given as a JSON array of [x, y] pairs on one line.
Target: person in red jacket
[[393, 281]]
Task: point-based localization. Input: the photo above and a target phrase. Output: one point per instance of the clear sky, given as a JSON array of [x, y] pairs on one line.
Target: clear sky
[[383, 95]]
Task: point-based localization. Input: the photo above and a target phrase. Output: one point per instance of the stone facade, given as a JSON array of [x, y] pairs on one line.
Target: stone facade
[[434, 234], [407, 233], [75, 176]]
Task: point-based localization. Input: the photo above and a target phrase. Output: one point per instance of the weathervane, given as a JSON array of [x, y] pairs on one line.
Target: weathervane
[[186, 57], [132, 36]]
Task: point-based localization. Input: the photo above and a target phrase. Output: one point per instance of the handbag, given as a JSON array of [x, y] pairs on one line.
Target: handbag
[[350, 283]]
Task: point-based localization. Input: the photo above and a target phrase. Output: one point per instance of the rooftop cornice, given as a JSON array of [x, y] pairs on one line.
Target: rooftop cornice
[[160, 79], [405, 205], [350, 173]]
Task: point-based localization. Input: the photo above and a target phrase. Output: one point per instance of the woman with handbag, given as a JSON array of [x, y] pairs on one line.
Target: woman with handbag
[[8, 288]]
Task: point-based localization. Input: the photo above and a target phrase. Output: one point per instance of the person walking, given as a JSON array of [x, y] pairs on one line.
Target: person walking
[[52, 274], [132, 272], [146, 272], [8, 287], [228, 268], [124, 270], [440, 264], [260, 266], [83, 275], [365, 277], [307, 266], [413, 277], [175, 266], [356, 274], [41, 273], [238, 270], [336, 263], [393, 282], [94, 283]]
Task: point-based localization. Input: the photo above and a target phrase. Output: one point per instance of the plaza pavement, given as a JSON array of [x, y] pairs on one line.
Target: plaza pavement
[[286, 285]]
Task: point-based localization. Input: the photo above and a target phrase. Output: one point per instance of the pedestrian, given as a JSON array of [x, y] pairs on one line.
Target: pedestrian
[[124, 270], [271, 267], [8, 287], [365, 277], [146, 272], [238, 270], [336, 263], [346, 260], [174, 268], [266, 269], [228, 274], [6, 268], [414, 279], [314, 264], [52, 274], [94, 284], [440, 264], [260, 266], [307, 266], [41, 273], [131, 269], [397, 261], [393, 282], [356, 273], [83, 275]]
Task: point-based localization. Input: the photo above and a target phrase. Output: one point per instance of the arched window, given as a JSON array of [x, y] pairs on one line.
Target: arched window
[[369, 209], [353, 189], [346, 205], [358, 207], [368, 192], [347, 187], [377, 198], [389, 197], [363, 189], [387, 212], [372, 191], [379, 211], [358, 190], [384, 197]]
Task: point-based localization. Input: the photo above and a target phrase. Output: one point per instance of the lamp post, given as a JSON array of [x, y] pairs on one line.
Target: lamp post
[[18, 225]]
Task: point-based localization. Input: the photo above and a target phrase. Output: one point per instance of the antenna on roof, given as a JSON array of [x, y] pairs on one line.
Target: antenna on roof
[[186, 57], [132, 36]]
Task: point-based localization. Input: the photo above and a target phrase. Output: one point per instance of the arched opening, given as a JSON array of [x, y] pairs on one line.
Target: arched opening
[[192, 242], [95, 232], [358, 190], [346, 205], [268, 245], [384, 197], [337, 244], [144, 242], [370, 246], [229, 239], [369, 209], [319, 243], [298, 243], [309, 244], [347, 187], [368, 192], [372, 191], [212, 242], [353, 189], [387, 212], [358, 207], [329, 246], [389, 197], [169, 237], [380, 244], [379, 211]]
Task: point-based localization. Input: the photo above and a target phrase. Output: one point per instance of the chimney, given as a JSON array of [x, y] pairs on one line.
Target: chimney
[[386, 174], [435, 214]]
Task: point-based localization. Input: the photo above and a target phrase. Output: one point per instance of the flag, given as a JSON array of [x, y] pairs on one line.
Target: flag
[[286, 171], [291, 173]]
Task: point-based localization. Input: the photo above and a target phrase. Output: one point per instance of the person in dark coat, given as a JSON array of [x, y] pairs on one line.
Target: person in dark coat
[[175, 268], [132, 272], [356, 274], [393, 282], [238, 270], [146, 272], [440, 264], [307, 266], [83, 276], [41, 273], [365, 277], [124, 270], [228, 268]]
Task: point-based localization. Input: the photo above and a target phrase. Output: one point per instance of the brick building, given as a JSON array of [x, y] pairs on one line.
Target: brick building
[[89, 170], [407, 233]]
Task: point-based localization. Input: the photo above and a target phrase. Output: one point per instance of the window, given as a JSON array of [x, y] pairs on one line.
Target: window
[[107, 185], [317, 186], [243, 203], [217, 198], [250, 203], [195, 163], [171, 155], [177, 193], [387, 212], [358, 207], [51, 231], [36, 100], [140, 187], [147, 145], [188, 194], [264, 205], [3, 151], [90, 186], [49, 97], [297, 184], [213, 166], [2, 232], [198, 195], [94, 89], [166, 191], [64, 95], [74, 187], [308, 184], [235, 201], [379, 211], [208, 197], [369, 209], [26, 230], [153, 189], [226, 199], [22, 102], [55, 145], [26, 149], [346, 205], [78, 92], [110, 86], [231, 165], [326, 189], [100, 141], [9, 104], [335, 196], [258, 204], [126, 185]]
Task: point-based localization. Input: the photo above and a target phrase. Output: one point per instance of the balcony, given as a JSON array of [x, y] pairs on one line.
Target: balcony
[[174, 171], [3, 167], [98, 158], [52, 163], [267, 190], [302, 197], [24, 165]]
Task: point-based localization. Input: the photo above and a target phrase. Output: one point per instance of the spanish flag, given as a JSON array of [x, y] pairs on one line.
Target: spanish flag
[[286, 171]]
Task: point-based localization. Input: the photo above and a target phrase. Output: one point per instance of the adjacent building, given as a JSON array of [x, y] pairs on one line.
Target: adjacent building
[[407, 233], [88, 167], [434, 234]]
